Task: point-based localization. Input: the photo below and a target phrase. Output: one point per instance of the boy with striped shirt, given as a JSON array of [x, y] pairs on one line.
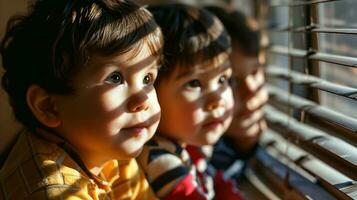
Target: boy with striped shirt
[[196, 102]]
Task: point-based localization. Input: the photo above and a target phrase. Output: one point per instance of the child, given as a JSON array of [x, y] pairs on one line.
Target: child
[[80, 77], [195, 98], [247, 59]]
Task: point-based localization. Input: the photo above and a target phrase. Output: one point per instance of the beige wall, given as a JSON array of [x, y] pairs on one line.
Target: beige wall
[[8, 125]]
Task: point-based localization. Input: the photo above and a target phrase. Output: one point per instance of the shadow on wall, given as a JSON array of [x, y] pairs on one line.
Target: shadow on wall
[[8, 125]]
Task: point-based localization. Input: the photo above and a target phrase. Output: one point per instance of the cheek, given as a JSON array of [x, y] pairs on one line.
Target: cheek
[[188, 112], [155, 111], [198, 117], [111, 100], [192, 105], [192, 114], [229, 98], [153, 101], [102, 106], [191, 97]]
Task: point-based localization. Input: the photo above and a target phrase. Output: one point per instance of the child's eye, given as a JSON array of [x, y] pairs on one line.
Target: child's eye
[[223, 79], [115, 78], [148, 79], [193, 84]]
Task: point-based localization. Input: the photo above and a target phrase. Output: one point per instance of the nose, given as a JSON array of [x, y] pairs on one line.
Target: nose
[[214, 101], [138, 102]]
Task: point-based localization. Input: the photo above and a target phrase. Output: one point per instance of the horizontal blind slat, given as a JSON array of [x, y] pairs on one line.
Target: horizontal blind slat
[[312, 81], [329, 149], [315, 109], [314, 29], [282, 50], [335, 30], [272, 169], [335, 59], [279, 3], [306, 165], [319, 56], [300, 158]]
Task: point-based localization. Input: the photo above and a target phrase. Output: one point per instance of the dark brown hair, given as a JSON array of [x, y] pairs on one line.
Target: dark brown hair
[[48, 46], [243, 34], [192, 36]]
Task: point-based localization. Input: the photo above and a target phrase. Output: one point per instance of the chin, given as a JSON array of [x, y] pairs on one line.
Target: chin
[[213, 137], [136, 153], [211, 141], [126, 155], [207, 141]]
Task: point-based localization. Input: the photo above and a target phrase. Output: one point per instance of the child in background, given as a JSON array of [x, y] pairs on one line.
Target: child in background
[[247, 58], [80, 77], [196, 102]]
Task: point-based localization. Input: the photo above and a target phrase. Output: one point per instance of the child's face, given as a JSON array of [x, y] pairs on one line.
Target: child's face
[[197, 105], [250, 96], [114, 109]]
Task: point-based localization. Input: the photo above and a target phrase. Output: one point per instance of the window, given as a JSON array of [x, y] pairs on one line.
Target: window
[[312, 113], [340, 15]]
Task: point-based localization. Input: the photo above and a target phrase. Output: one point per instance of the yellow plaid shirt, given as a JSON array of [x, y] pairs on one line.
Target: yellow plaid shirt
[[39, 169]]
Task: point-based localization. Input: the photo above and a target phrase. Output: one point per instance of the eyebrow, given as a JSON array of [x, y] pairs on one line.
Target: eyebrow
[[223, 67], [154, 64]]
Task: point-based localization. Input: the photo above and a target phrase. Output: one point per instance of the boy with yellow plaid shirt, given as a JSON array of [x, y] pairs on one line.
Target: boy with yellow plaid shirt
[[79, 75]]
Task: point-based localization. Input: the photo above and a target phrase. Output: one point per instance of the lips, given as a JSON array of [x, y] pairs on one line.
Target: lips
[[213, 123], [136, 129]]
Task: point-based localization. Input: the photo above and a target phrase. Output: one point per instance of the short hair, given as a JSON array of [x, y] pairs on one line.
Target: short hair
[[191, 36], [244, 35], [48, 46]]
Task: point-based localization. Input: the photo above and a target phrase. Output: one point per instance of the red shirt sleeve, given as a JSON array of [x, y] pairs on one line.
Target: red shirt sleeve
[[186, 189], [225, 189]]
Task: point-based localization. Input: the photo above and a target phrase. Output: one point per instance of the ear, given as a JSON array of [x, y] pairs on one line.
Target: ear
[[42, 106]]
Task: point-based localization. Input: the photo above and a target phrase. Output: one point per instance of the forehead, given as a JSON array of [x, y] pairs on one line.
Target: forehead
[[243, 64], [135, 59], [214, 65]]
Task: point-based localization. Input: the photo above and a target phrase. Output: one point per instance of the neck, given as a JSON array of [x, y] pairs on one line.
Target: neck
[[84, 159], [92, 161]]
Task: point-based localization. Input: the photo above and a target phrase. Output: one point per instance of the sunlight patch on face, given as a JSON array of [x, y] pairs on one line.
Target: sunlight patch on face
[[209, 79], [141, 55], [99, 67], [220, 62], [217, 113]]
